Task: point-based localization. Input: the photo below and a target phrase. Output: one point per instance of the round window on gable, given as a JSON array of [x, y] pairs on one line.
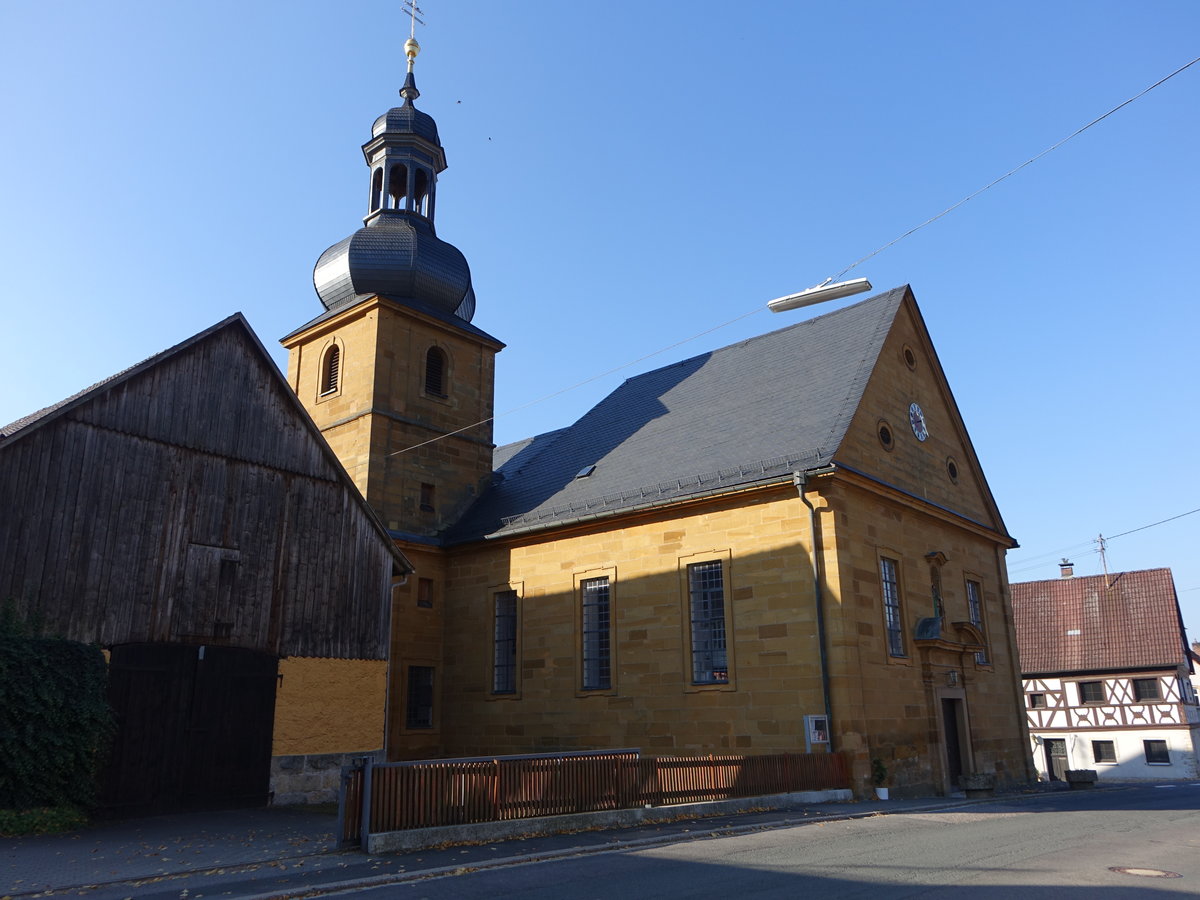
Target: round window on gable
[[886, 439], [952, 469], [910, 358]]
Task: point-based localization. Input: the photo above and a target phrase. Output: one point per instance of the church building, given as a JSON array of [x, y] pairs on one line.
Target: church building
[[787, 544]]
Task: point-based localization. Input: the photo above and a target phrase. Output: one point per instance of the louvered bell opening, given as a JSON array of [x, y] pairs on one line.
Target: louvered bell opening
[[331, 370], [435, 372]]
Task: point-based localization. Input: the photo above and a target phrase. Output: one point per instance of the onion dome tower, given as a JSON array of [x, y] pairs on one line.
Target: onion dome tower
[[397, 254], [392, 371]]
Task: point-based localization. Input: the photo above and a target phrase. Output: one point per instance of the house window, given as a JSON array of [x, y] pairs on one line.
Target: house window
[[425, 592], [706, 600], [1104, 751], [1092, 692], [331, 370], [418, 711], [1157, 753], [427, 496], [893, 617], [1037, 701], [1146, 689], [596, 634], [435, 372], [975, 611], [504, 643]]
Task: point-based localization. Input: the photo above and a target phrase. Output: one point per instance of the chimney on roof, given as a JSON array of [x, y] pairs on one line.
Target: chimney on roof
[[1066, 568]]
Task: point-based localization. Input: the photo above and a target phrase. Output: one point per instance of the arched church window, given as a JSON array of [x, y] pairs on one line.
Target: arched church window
[[331, 370], [421, 193], [376, 189], [435, 372], [398, 186]]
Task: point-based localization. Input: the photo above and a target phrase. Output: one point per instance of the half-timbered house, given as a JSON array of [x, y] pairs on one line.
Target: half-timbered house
[[1106, 672], [187, 516]]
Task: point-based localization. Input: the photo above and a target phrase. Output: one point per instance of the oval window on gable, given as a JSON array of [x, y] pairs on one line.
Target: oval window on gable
[[435, 372]]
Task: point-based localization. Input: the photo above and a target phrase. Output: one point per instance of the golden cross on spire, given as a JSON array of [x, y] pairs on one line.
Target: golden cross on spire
[[411, 47]]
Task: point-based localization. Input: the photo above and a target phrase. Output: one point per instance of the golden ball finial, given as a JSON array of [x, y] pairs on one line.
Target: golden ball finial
[[411, 49]]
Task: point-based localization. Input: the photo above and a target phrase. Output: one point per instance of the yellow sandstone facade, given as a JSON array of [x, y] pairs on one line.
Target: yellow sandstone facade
[[933, 696]]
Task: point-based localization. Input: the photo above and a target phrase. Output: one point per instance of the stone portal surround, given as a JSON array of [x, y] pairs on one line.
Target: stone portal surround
[[311, 778]]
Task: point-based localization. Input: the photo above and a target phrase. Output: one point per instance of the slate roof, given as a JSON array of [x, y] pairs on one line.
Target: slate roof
[[1134, 623], [745, 414]]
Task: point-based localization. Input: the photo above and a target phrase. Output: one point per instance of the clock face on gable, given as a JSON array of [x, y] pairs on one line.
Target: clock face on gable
[[916, 418]]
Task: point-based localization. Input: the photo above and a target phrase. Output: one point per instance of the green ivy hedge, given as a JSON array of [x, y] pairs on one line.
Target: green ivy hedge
[[55, 721]]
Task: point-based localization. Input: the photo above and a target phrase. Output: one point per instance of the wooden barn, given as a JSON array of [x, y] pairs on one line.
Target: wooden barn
[[188, 516]]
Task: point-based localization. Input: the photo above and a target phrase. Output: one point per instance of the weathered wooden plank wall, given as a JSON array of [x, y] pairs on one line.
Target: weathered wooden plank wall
[[191, 503]]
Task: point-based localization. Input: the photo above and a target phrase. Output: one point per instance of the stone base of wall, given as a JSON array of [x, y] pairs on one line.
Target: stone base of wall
[[311, 778]]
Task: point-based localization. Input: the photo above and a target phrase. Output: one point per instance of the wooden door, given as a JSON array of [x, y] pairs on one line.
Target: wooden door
[[1056, 758], [194, 727]]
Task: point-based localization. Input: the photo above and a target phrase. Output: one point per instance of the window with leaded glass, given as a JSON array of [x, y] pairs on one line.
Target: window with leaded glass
[[1104, 751], [418, 710], [892, 612], [504, 643], [706, 600], [595, 600], [975, 611]]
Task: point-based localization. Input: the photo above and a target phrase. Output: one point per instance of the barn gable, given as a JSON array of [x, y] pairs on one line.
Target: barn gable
[[191, 499]]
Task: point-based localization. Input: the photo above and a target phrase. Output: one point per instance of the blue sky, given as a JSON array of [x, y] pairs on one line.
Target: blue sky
[[626, 175]]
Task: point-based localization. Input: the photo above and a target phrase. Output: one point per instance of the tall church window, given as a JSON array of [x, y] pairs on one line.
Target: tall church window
[[435, 372], [706, 601], [596, 634], [418, 708], [398, 186], [892, 613], [504, 642], [975, 611], [331, 370]]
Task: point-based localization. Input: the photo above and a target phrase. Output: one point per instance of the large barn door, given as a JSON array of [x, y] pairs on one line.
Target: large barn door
[[194, 727]]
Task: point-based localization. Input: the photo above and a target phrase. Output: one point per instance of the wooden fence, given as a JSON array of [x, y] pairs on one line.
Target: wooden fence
[[430, 793]]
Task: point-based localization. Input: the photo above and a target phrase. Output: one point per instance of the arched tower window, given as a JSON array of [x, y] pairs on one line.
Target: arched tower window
[[398, 186], [376, 189], [331, 370], [435, 372], [421, 193]]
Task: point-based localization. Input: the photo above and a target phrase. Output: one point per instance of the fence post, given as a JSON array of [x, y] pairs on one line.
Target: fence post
[[496, 791], [365, 827]]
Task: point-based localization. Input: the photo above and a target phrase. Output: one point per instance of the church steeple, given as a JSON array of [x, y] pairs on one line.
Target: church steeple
[[398, 255], [392, 371]]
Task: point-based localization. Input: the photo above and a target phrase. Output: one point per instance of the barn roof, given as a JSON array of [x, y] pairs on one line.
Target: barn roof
[[21, 428]]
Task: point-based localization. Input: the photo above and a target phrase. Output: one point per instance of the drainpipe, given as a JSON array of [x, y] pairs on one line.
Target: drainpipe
[[800, 479]]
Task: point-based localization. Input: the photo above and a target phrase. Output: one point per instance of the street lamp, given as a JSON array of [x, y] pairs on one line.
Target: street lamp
[[820, 294]]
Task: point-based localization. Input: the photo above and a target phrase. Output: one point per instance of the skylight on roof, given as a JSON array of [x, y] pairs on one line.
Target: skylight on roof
[[585, 471]]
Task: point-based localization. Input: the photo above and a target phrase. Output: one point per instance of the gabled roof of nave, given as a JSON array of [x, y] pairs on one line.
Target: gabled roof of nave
[[1094, 623], [747, 413]]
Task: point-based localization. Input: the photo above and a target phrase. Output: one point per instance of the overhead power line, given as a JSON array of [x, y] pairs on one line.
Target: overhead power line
[[836, 277]]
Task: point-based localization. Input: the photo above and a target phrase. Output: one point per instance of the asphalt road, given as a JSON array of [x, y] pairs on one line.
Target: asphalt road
[[1060, 846]]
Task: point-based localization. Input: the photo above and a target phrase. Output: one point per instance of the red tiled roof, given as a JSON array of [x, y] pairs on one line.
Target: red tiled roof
[[1080, 625]]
